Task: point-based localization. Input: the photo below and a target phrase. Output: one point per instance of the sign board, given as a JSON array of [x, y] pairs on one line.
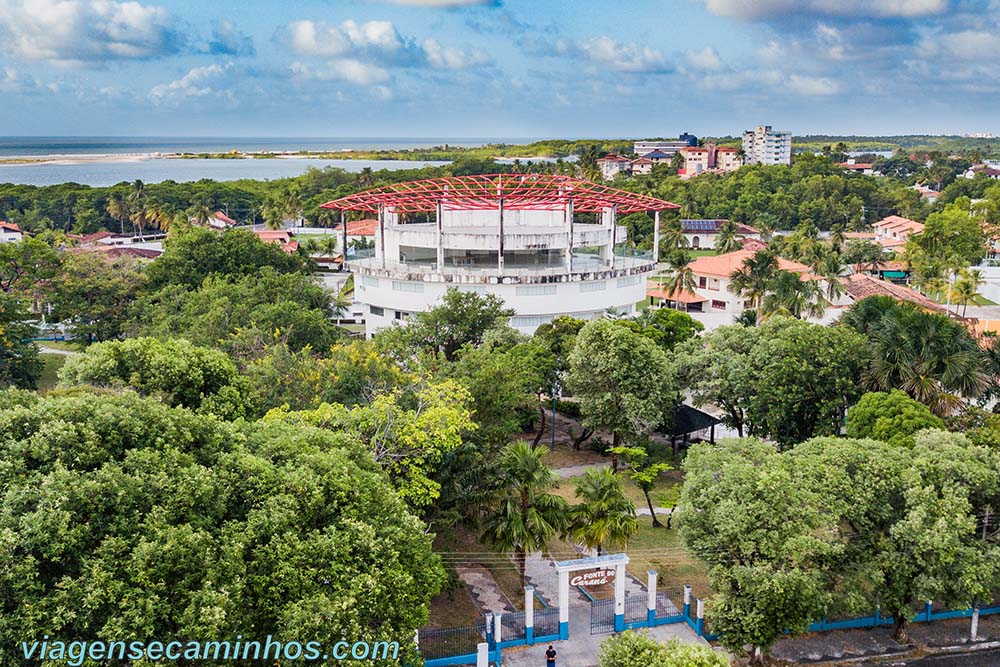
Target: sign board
[[593, 578]]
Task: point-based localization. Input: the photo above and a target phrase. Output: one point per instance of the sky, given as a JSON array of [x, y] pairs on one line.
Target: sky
[[497, 68]]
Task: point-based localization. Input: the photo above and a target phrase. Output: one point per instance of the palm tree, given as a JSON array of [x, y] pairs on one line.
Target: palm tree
[[966, 288], [680, 277], [766, 224], [751, 281], [366, 178], [727, 240], [523, 516], [117, 208], [200, 212], [672, 236], [837, 237], [788, 293], [310, 246], [833, 271], [605, 517], [326, 217], [929, 356]]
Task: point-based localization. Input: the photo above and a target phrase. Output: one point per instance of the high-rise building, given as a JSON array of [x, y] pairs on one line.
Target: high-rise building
[[547, 245], [763, 145]]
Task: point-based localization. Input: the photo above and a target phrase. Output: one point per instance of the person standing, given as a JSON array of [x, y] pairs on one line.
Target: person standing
[[550, 657]]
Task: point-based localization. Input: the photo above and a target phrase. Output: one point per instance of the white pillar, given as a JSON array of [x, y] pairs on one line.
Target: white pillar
[[614, 231], [974, 631], [381, 232], [563, 604], [651, 591], [656, 236], [619, 597], [500, 243], [343, 240], [497, 627], [529, 613], [440, 239], [483, 655], [569, 222]]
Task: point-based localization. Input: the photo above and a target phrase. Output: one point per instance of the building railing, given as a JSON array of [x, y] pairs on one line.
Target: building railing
[[581, 264]]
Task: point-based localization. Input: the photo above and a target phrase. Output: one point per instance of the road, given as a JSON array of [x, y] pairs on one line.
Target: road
[[976, 659]]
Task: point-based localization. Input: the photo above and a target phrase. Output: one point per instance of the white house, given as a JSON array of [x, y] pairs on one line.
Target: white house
[[9, 232]]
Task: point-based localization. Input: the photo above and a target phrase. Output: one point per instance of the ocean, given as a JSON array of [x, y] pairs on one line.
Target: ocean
[[135, 157]]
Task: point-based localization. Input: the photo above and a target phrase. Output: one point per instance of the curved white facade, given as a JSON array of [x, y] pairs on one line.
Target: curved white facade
[[542, 263]]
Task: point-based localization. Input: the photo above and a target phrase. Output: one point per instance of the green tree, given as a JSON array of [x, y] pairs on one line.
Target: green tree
[[665, 327], [462, 318], [890, 417], [26, 265], [753, 280], [727, 239], [199, 253], [631, 649], [179, 373], [764, 538], [94, 293], [604, 517], [644, 474], [622, 380], [20, 365], [125, 517], [523, 516]]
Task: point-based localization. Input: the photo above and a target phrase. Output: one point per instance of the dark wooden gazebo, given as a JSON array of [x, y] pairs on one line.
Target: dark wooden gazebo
[[688, 420]]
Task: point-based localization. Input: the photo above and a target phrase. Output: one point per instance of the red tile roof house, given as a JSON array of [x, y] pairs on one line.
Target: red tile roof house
[[9, 232], [712, 275], [891, 232], [281, 237]]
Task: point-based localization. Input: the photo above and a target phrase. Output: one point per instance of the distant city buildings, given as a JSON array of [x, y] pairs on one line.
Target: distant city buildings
[[764, 145], [709, 158], [669, 148]]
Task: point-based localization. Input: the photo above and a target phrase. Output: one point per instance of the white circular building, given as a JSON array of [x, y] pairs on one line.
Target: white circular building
[[547, 245]]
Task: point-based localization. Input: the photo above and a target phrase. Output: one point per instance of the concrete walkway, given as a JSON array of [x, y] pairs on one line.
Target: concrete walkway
[[51, 350], [483, 588], [580, 470], [582, 648]]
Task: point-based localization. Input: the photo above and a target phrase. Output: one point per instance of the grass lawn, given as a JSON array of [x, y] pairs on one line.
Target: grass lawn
[[564, 456], [453, 609], [657, 549], [942, 298], [49, 377], [701, 252]]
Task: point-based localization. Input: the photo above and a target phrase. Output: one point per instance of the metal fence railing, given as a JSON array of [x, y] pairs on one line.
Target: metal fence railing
[[451, 642], [547, 622], [512, 627], [636, 608]]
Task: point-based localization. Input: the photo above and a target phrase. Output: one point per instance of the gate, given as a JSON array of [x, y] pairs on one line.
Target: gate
[[602, 616], [636, 608]]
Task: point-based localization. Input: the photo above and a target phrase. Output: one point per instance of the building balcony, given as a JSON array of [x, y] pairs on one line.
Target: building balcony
[[516, 237], [585, 266]]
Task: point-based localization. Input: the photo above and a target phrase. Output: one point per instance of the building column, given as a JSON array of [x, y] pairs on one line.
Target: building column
[[656, 237], [563, 604], [500, 244], [343, 241], [529, 614], [482, 655], [614, 231], [651, 592], [620, 597], [687, 601], [381, 232], [440, 238], [699, 622], [568, 214]]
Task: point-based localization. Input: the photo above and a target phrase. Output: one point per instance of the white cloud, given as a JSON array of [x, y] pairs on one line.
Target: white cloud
[[629, 57], [381, 93], [704, 59], [765, 9], [13, 82], [87, 32], [443, 57], [345, 69], [228, 40], [197, 83], [316, 38], [972, 44], [813, 86]]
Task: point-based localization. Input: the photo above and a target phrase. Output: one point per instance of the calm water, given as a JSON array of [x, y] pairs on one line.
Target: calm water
[[25, 146], [155, 170]]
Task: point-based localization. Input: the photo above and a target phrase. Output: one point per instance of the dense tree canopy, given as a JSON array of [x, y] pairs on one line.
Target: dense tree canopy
[[890, 417], [127, 518]]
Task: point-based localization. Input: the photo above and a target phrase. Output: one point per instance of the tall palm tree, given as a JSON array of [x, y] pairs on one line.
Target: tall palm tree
[[833, 271], [523, 516], [200, 212], [117, 208], [837, 237], [672, 236], [751, 281], [680, 277], [605, 517], [966, 288], [788, 293], [727, 241]]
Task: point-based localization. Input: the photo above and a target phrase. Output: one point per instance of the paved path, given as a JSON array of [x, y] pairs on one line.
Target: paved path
[[582, 648], [483, 588], [973, 659], [580, 470], [51, 350]]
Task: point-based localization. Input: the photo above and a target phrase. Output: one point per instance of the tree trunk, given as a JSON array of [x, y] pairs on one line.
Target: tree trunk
[[652, 512], [521, 557], [586, 434], [541, 427], [901, 627], [614, 457]]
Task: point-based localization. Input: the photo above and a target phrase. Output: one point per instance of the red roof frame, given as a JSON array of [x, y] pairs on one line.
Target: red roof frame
[[524, 192]]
